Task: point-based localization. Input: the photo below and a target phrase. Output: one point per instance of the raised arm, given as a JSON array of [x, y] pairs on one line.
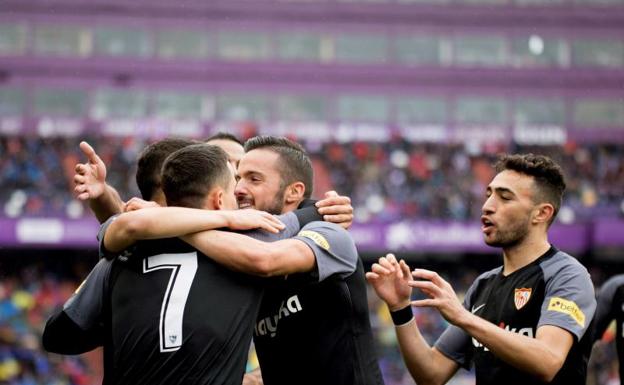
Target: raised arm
[[168, 222], [90, 181], [427, 365]]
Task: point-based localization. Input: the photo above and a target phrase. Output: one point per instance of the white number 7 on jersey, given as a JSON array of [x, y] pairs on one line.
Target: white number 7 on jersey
[[183, 268]]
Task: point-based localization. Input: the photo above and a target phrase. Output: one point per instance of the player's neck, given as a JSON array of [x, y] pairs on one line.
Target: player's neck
[[525, 252]]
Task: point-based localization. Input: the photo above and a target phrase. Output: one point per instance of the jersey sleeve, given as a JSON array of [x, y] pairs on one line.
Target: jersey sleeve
[[604, 306], [86, 306], [454, 342], [333, 248], [103, 253], [569, 301], [291, 220]]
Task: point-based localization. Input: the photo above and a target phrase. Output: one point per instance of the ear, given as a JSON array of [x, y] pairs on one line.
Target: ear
[[214, 200], [294, 193], [543, 213]]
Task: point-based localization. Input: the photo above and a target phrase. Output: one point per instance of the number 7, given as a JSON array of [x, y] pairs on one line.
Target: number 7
[[183, 267]]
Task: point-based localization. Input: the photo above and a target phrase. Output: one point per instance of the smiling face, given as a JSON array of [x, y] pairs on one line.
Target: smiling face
[[260, 184], [508, 209]]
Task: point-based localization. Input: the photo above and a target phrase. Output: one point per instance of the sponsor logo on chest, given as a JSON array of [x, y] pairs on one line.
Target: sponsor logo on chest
[[529, 332], [268, 325]]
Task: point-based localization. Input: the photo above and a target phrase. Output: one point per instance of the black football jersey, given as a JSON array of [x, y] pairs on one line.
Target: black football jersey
[[554, 290], [611, 307]]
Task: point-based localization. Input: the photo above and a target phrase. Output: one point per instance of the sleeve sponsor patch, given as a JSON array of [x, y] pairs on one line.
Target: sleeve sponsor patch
[[316, 237], [567, 307]]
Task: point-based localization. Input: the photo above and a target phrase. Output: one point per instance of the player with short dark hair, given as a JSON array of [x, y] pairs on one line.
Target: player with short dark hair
[[230, 144], [198, 329], [523, 323]]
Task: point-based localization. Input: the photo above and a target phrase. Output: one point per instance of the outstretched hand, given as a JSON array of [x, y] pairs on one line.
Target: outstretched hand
[[90, 177], [138, 204], [336, 209], [390, 280], [253, 219], [441, 295]]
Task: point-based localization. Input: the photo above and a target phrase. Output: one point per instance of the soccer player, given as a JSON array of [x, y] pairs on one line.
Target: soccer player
[[309, 331], [611, 306], [522, 323], [205, 342]]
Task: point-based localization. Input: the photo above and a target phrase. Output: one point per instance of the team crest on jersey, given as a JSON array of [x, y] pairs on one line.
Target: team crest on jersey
[[521, 297]]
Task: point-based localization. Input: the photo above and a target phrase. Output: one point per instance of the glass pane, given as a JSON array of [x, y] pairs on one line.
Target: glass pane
[[364, 109], [361, 49], [597, 53], [122, 41], [61, 103], [244, 46], [537, 51], [62, 40], [299, 46], [487, 51], [599, 113], [301, 108], [12, 39], [421, 110], [180, 44], [530, 112], [481, 110], [247, 107], [418, 50], [111, 103], [172, 105], [11, 102]]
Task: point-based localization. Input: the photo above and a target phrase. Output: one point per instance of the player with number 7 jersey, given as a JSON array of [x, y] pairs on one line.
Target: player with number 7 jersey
[[165, 313]]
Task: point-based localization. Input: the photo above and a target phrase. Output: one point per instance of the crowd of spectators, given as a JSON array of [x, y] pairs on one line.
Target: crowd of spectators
[[386, 181]]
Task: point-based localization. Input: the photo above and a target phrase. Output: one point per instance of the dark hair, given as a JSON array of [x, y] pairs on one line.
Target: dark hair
[[547, 174], [294, 163], [224, 136], [150, 163], [191, 172]]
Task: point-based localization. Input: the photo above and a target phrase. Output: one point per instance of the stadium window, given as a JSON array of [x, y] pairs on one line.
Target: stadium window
[[363, 109], [62, 40], [183, 44], [243, 107], [596, 113], [298, 108], [600, 2], [597, 53], [122, 42], [479, 110], [421, 111], [361, 49], [244, 46], [539, 112], [538, 51], [479, 51], [299, 46], [418, 50], [176, 105], [12, 39], [119, 104], [59, 103], [11, 102]]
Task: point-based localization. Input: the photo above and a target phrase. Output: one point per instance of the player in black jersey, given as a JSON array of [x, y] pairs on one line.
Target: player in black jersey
[[522, 323], [313, 328], [611, 307]]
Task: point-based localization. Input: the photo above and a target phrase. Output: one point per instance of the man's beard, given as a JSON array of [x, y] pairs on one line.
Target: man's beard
[[512, 236], [277, 205]]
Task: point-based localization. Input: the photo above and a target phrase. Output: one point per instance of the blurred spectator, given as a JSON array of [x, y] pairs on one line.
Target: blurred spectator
[[386, 181]]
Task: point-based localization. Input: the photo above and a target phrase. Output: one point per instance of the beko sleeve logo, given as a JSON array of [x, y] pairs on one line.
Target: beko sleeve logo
[[316, 237], [567, 307]]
